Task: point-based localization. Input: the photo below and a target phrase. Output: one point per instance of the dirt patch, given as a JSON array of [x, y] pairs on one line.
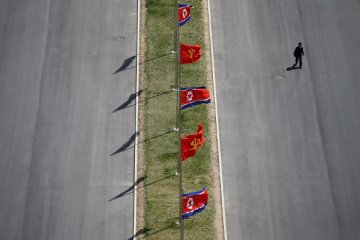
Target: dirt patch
[[140, 205]]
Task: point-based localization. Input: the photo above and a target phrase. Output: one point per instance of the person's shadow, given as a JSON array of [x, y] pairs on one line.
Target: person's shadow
[[293, 67]]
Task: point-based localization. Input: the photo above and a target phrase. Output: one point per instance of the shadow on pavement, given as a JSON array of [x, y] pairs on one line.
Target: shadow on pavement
[[141, 179], [125, 64], [129, 60], [143, 231], [130, 189], [126, 145], [131, 98], [291, 68]]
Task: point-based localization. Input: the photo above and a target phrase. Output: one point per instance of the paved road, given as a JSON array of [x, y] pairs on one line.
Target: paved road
[[57, 129], [289, 139]]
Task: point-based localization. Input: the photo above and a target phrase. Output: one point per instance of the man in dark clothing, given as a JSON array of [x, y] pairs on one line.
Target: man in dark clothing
[[298, 53]]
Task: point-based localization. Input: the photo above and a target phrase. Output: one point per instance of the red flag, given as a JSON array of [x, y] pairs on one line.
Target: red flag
[[189, 53], [191, 143]]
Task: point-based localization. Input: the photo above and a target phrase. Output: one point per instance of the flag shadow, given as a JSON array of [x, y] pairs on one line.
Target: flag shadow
[[129, 60], [130, 189], [125, 64], [126, 145], [131, 98], [140, 179]]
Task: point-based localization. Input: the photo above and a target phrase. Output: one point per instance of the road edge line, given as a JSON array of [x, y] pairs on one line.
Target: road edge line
[[136, 116]]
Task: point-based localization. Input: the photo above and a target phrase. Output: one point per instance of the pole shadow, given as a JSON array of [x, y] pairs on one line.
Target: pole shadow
[[162, 179], [131, 98], [157, 136], [140, 232], [130, 189], [129, 60], [158, 231], [133, 187], [126, 145], [159, 94]]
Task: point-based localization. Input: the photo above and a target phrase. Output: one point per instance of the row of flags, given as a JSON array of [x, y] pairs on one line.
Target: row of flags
[[193, 202], [188, 53]]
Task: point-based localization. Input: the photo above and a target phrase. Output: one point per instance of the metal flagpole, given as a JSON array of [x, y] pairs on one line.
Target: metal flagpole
[[177, 87]]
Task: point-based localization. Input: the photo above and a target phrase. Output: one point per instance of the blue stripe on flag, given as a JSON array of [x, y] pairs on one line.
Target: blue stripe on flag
[[189, 214], [192, 88], [194, 193], [192, 104], [181, 23]]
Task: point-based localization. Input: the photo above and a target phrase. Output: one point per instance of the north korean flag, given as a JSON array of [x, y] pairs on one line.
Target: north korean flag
[[184, 13], [191, 143], [191, 97], [194, 202]]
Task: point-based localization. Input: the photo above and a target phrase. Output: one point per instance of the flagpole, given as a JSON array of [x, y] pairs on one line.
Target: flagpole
[[177, 87]]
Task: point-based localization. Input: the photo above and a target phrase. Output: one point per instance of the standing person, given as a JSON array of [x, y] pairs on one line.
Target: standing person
[[298, 53]]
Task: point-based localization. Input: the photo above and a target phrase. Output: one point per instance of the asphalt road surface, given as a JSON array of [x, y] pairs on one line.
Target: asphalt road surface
[[290, 140], [57, 129]]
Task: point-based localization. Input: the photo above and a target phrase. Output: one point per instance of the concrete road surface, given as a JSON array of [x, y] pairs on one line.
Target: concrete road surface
[[290, 140], [57, 129]]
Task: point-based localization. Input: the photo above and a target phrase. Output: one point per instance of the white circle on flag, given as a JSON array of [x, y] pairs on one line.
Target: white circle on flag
[[189, 96], [185, 13], [190, 203]]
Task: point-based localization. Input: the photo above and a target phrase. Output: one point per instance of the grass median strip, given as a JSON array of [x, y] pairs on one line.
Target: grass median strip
[[160, 141]]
